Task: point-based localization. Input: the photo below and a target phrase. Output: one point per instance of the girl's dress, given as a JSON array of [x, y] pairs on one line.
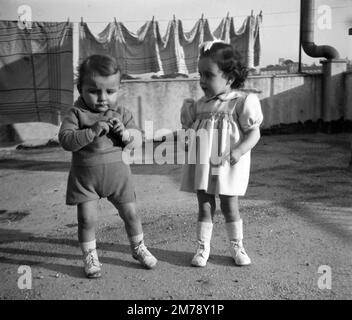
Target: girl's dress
[[214, 127]]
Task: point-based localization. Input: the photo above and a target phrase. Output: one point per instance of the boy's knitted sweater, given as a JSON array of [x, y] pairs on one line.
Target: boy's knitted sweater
[[88, 149]]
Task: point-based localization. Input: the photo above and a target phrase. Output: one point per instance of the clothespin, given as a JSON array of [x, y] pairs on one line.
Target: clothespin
[[82, 21], [153, 19], [174, 18], [260, 13], [202, 16], [68, 19], [115, 21], [251, 13]]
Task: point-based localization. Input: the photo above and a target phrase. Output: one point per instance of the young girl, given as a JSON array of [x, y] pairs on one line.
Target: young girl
[[225, 123], [96, 130]]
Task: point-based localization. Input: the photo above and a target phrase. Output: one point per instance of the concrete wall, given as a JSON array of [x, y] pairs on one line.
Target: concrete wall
[[288, 98], [285, 99], [348, 95]]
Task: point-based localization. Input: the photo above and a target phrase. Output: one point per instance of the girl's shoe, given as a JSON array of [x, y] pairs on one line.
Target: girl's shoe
[[235, 234], [91, 264], [202, 255], [239, 254], [143, 255], [204, 232]]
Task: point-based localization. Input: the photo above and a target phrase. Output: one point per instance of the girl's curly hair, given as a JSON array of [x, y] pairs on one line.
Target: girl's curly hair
[[229, 61], [96, 64]]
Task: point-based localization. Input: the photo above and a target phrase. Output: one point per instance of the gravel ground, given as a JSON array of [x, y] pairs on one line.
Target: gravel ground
[[297, 217]]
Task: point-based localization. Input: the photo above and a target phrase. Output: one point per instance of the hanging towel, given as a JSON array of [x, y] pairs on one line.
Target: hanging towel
[[176, 52], [190, 42], [246, 40], [135, 53], [257, 44], [36, 74]]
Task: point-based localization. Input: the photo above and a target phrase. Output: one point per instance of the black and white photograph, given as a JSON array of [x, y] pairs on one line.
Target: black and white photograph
[[180, 156]]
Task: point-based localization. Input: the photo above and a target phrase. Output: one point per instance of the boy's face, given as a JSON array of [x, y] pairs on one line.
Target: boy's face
[[101, 92], [212, 80]]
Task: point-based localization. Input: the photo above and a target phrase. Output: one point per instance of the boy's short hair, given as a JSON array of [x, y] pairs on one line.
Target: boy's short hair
[[103, 65]]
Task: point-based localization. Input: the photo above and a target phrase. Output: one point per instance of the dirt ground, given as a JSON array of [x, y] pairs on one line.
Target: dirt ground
[[297, 219]]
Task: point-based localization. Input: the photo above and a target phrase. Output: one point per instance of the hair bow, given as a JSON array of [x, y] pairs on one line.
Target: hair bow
[[208, 44]]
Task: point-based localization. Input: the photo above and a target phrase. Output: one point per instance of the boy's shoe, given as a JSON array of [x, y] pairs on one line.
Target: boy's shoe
[[202, 255], [92, 264], [239, 254], [143, 255]]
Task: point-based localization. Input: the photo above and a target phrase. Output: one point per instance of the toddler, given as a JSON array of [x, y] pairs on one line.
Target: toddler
[[96, 130], [225, 123]]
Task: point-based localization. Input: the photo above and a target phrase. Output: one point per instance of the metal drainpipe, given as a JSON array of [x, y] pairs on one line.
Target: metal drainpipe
[[307, 34], [312, 50]]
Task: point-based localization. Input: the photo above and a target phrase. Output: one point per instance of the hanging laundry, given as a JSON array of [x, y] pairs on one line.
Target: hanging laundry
[[36, 74], [177, 52], [190, 42], [257, 44], [136, 53], [245, 40]]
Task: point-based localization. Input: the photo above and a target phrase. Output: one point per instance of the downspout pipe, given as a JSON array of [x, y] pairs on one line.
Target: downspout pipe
[[307, 34]]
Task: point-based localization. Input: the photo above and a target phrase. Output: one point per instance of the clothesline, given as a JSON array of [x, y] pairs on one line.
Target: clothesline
[[164, 20], [153, 18], [147, 51]]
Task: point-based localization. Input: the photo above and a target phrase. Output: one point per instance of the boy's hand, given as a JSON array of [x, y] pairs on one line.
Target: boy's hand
[[119, 128], [100, 128], [116, 126]]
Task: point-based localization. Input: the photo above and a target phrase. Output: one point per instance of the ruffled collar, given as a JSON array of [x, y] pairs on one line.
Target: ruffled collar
[[223, 96]]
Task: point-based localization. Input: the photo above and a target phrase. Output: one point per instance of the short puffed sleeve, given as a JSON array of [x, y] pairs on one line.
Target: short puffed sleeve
[[249, 112], [188, 113]]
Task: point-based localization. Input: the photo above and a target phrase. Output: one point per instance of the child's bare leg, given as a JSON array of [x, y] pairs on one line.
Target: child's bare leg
[[132, 220], [229, 208], [234, 229], [87, 214], [134, 229], [207, 206]]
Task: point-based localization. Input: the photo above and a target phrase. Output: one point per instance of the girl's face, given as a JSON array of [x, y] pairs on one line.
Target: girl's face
[[101, 92], [212, 80]]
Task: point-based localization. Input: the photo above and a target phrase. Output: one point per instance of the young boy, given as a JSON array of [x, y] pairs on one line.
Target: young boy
[[96, 130]]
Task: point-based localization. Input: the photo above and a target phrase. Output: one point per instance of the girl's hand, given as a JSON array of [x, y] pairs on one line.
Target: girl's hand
[[100, 128], [235, 156]]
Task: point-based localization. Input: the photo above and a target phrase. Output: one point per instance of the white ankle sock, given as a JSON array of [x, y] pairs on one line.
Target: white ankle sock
[[86, 246], [135, 240], [204, 231], [235, 230]]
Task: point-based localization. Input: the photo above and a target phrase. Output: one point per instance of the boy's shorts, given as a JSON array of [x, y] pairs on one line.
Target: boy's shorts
[[112, 181]]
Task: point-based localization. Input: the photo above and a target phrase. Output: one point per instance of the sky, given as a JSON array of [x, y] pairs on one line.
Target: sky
[[279, 30]]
